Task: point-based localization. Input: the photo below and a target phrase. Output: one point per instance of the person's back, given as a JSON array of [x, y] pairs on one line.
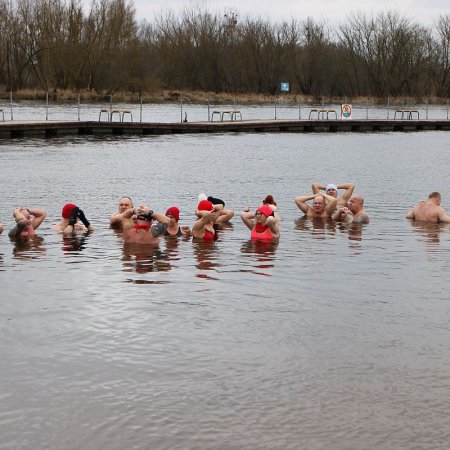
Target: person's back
[[430, 210], [427, 212]]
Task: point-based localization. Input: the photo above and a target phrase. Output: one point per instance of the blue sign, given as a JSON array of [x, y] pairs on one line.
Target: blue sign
[[284, 87]]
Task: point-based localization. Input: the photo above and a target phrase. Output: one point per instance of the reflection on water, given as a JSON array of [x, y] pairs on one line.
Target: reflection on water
[[318, 227], [75, 243], [206, 253], [144, 259], [28, 248], [261, 255], [430, 233]]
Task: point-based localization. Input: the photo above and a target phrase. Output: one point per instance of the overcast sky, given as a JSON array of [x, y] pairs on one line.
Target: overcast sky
[[422, 11]]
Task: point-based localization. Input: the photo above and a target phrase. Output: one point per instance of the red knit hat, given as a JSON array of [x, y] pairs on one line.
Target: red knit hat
[[67, 210], [266, 210], [205, 205], [174, 211]]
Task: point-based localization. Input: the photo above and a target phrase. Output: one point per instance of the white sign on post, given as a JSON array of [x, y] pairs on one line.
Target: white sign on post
[[346, 112]]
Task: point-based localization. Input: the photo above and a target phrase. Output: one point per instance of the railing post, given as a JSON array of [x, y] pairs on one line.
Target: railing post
[[181, 108], [11, 105], [299, 111], [78, 107], [209, 111], [388, 109], [140, 109], [46, 106], [110, 108], [367, 110], [275, 109]]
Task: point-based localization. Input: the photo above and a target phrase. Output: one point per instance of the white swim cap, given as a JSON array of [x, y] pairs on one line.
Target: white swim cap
[[331, 186], [202, 196]]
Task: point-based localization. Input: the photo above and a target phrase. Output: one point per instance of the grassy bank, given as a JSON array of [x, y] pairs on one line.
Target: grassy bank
[[174, 96]]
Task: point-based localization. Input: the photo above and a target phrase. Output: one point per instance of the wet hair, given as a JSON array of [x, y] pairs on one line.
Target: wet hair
[[435, 195], [126, 196], [269, 200]]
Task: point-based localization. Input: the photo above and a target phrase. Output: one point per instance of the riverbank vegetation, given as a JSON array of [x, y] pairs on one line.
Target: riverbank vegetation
[[57, 46]]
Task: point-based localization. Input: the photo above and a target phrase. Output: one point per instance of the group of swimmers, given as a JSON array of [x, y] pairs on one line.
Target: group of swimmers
[[141, 225]]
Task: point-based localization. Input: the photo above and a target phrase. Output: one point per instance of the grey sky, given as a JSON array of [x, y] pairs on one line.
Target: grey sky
[[422, 11]]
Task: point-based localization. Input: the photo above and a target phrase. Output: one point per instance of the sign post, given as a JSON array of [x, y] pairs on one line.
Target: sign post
[[346, 111]]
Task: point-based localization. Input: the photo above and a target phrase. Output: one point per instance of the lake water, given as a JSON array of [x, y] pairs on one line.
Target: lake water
[[334, 338]]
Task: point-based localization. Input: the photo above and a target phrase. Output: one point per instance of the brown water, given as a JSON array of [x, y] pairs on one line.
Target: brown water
[[336, 338]]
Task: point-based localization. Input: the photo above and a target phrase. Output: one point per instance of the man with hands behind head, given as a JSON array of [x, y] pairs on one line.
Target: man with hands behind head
[[27, 221], [139, 226]]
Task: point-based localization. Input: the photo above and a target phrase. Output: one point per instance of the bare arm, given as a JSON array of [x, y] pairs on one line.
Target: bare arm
[[443, 216], [199, 226], [273, 226], [339, 216], [301, 200], [411, 214], [317, 187], [248, 218], [115, 219], [332, 203], [349, 188], [39, 216]]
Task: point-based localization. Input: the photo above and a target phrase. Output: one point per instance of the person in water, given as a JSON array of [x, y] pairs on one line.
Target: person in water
[[269, 200], [354, 213], [262, 223], [27, 221], [116, 219], [139, 226], [174, 229], [225, 214], [1, 228], [323, 205], [332, 189], [69, 223], [429, 210], [205, 226]]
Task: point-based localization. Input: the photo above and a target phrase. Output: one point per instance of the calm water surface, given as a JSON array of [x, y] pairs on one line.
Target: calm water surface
[[334, 338]]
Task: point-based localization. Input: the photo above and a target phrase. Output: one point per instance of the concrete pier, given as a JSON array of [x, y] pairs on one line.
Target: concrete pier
[[47, 129]]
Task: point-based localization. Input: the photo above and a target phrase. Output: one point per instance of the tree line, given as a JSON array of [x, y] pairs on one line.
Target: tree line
[[57, 45]]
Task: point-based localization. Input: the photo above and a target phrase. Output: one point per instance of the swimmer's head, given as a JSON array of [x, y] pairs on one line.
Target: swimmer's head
[[319, 204], [174, 212], [266, 210], [67, 210], [205, 205], [269, 200], [124, 204], [25, 213], [331, 190]]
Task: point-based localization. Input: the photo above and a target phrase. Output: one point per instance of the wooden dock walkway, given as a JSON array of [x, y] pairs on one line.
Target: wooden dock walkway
[[19, 129]]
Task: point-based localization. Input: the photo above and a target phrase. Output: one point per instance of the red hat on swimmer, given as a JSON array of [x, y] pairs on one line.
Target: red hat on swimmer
[[205, 205], [266, 210], [67, 210], [174, 211]]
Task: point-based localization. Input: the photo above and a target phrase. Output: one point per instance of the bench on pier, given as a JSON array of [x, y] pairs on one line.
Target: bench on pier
[[110, 112], [222, 113], [322, 113], [406, 114]]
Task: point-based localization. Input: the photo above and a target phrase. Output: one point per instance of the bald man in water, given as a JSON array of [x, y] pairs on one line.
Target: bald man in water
[[354, 213], [323, 205], [116, 219], [430, 210]]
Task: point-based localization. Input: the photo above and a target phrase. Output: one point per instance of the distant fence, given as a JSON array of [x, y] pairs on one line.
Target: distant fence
[[51, 106]]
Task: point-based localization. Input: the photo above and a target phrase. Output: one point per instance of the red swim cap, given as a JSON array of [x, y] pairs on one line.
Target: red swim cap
[[205, 205], [266, 210], [67, 210], [174, 211]]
